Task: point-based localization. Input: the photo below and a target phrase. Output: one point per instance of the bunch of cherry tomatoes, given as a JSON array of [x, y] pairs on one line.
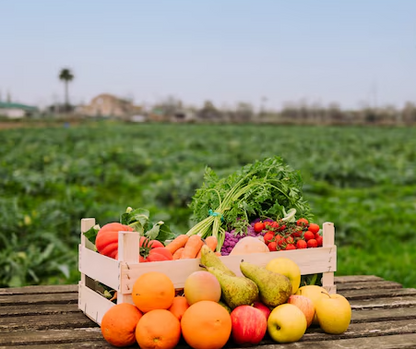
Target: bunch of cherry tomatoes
[[280, 235]]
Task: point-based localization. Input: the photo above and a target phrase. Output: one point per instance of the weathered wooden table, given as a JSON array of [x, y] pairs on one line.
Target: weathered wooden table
[[40, 317]]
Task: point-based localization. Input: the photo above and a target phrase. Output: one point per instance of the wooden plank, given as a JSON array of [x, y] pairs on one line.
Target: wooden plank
[[377, 293], [44, 322], [51, 337], [79, 345], [382, 342], [39, 309], [372, 285], [58, 298], [390, 314], [39, 289], [388, 303], [356, 278]]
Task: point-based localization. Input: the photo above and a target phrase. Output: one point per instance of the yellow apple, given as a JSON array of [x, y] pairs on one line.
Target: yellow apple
[[314, 293], [334, 313], [287, 267], [286, 323]]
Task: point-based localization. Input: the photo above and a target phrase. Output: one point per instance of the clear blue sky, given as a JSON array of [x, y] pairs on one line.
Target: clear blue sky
[[349, 51]]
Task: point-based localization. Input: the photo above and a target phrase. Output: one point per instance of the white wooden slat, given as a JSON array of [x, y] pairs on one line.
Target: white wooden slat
[[98, 267], [310, 261], [92, 303]]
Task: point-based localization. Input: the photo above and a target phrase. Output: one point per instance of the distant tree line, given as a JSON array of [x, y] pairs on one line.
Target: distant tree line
[[292, 113]]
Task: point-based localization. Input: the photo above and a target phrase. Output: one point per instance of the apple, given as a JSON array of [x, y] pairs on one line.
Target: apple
[[305, 304], [314, 293], [334, 313], [263, 307], [248, 325], [286, 323], [287, 267]]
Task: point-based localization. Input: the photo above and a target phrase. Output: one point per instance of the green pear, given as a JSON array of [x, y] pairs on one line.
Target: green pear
[[235, 290], [210, 259], [274, 288]]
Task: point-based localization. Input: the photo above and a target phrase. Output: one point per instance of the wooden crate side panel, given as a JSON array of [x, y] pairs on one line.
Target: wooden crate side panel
[[92, 304], [310, 261], [104, 269]]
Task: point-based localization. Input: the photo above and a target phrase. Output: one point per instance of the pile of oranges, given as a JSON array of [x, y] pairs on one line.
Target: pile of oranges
[[159, 318]]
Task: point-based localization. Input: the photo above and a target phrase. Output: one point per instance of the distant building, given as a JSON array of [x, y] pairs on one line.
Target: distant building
[[106, 105], [16, 110]]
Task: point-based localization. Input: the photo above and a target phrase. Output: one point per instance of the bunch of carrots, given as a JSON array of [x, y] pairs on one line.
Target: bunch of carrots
[[187, 247]]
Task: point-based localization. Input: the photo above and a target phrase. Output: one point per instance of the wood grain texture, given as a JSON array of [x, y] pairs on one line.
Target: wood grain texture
[[43, 317]]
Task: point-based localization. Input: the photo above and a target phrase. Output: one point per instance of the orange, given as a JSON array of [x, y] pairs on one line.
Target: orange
[[179, 306], [158, 329], [206, 325], [153, 290], [119, 323]]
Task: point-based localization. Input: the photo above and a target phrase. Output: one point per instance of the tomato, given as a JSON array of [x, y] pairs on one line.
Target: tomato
[[307, 235], [156, 254], [290, 240], [301, 244], [153, 251], [151, 243], [290, 247], [280, 240], [319, 239], [258, 227], [312, 243], [268, 237], [272, 246], [313, 227], [302, 222]]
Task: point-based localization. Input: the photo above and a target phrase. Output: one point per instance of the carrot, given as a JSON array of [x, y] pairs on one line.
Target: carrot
[[211, 241], [192, 247], [218, 253], [178, 253], [177, 243]]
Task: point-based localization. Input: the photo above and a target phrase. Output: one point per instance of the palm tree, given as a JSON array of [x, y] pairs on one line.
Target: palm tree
[[66, 76]]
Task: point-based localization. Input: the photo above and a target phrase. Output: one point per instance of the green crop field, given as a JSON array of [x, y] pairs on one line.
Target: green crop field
[[361, 178]]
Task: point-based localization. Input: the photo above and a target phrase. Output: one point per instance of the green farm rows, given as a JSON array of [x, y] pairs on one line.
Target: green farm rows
[[363, 179]]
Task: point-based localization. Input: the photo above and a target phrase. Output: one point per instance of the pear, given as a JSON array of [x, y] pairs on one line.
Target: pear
[[235, 290], [210, 259], [274, 288]]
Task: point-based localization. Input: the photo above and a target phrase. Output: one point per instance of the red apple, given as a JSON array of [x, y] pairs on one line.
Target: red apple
[[305, 304], [264, 308], [249, 325]]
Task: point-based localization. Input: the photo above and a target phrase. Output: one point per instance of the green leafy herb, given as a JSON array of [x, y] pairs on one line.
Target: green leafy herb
[[264, 189]]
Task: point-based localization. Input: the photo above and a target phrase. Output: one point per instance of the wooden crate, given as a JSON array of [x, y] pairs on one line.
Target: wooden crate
[[121, 274]]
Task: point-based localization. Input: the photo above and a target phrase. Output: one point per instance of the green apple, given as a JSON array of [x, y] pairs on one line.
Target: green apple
[[287, 267], [314, 293], [334, 313], [286, 323]]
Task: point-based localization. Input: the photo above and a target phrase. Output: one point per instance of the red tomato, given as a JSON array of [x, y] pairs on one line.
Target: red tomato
[[272, 246], [290, 240], [307, 235], [312, 243], [153, 251], [280, 240], [314, 228], [151, 243], [302, 222], [319, 239], [290, 247], [258, 227], [301, 244], [268, 237], [157, 254]]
